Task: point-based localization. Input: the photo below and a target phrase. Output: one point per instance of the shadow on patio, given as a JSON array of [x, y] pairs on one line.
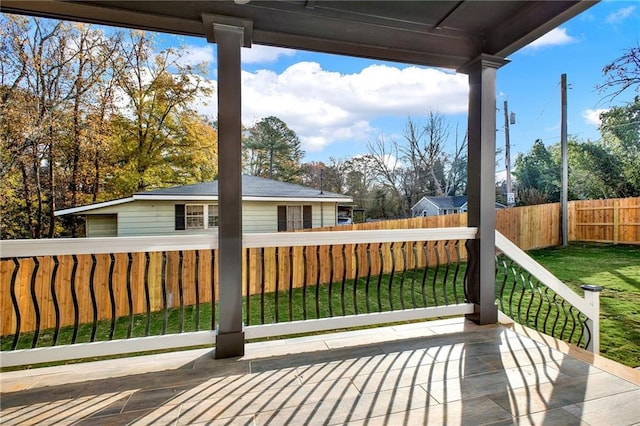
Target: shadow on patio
[[448, 371]]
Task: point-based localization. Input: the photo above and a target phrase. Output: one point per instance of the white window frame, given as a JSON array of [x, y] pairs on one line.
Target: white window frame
[[204, 216]]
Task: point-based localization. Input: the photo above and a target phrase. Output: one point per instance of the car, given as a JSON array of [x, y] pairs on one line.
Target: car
[[344, 220]]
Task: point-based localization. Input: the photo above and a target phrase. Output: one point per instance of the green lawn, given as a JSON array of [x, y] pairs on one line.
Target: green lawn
[[616, 268]]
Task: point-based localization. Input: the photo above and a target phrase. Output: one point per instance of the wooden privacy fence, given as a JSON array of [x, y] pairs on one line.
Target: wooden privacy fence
[[609, 221]]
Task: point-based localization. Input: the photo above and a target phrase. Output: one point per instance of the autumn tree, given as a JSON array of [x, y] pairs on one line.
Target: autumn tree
[[158, 134]]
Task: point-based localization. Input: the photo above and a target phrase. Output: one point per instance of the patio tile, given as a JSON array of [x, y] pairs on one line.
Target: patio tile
[[475, 411], [254, 402], [545, 396], [619, 409], [344, 410]]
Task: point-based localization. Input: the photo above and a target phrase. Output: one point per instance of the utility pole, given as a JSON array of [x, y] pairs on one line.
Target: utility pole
[[511, 199], [565, 164]]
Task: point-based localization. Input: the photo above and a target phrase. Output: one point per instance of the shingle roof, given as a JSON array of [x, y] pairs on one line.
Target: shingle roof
[[252, 186], [454, 202]]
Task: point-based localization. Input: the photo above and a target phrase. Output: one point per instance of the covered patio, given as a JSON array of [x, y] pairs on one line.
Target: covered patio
[[470, 37], [441, 372]]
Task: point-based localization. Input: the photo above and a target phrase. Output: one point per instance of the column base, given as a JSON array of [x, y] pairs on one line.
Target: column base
[[229, 345], [488, 315]]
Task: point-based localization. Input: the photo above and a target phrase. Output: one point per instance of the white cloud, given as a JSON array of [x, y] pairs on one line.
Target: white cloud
[[193, 55], [592, 116], [325, 107], [259, 54], [555, 37], [620, 15]]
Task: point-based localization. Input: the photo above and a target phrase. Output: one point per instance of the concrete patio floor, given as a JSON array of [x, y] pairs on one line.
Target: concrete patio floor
[[439, 372]]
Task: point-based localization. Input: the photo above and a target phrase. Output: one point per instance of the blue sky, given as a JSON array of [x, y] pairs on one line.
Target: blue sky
[[337, 104]]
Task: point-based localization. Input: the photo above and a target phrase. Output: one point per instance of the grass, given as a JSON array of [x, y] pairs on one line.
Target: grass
[[616, 268]]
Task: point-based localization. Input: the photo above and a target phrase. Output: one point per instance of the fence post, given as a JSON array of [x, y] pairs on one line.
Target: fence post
[[592, 297], [616, 221]]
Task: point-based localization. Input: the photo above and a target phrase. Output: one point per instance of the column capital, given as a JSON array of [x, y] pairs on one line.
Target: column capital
[[485, 61], [212, 23]]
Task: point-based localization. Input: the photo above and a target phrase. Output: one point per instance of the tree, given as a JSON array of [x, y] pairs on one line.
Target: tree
[[272, 150], [155, 146], [537, 174], [622, 74], [621, 133]]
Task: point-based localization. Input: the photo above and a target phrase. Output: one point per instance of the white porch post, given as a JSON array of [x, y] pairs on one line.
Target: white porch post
[[230, 35], [481, 186]]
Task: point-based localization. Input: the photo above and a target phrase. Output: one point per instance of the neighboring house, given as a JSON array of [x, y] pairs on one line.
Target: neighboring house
[[267, 206], [436, 206]]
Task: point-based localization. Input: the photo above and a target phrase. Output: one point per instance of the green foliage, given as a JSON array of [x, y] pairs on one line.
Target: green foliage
[[621, 134], [538, 171], [272, 150]]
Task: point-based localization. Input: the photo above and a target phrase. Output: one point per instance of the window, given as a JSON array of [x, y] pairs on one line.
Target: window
[[192, 216], [292, 218], [212, 215], [195, 216]]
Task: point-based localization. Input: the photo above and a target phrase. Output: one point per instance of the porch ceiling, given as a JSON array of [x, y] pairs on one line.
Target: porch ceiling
[[444, 34]]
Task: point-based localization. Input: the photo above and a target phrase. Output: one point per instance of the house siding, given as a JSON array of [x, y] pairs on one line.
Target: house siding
[[139, 218], [102, 225]]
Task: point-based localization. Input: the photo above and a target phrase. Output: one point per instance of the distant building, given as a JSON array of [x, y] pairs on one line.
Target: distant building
[[436, 206], [267, 206]]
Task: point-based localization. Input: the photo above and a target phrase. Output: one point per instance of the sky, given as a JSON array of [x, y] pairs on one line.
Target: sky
[[336, 104]]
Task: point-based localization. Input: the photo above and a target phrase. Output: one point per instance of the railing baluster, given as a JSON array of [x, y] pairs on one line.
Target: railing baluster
[[112, 297], [94, 302], [403, 250], [435, 274], [180, 291], [331, 281], [129, 294], [457, 270], [525, 280], [381, 261], [425, 252], [355, 280], [366, 288], [213, 289], [197, 284], [262, 284], [585, 328], [74, 299], [317, 281], [532, 290], [34, 300], [147, 295], [54, 297], [344, 278], [304, 282], [546, 317], [163, 281], [446, 272], [277, 290], [14, 302], [290, 283], [573, 324], [414, 247], [248, 287], [393, 270]]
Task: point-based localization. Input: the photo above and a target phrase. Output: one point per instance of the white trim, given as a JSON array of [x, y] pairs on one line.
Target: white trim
[[93, 206], [543, 275], [300, 199], [285, 239], [311, 326], [61, 246], [112, 347], [142, 197]]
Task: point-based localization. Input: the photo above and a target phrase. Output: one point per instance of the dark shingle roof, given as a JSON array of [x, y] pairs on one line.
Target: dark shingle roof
[[454, 202], [252, 186]]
